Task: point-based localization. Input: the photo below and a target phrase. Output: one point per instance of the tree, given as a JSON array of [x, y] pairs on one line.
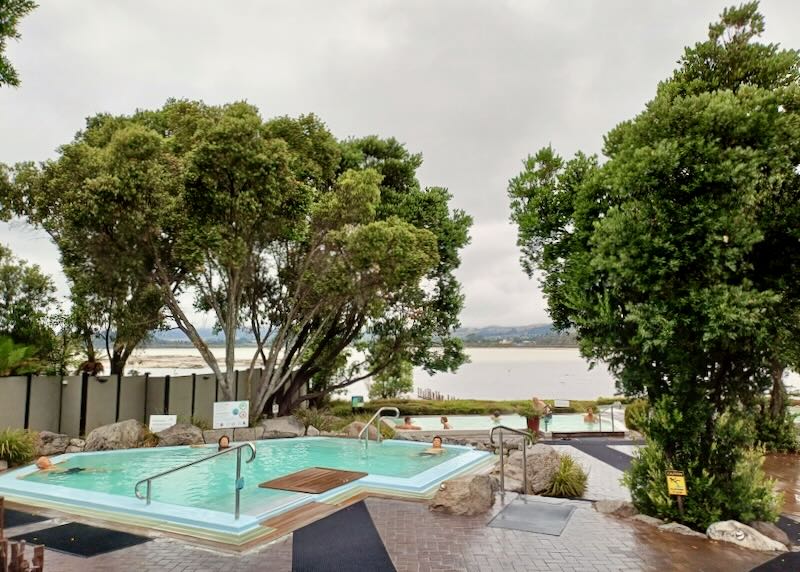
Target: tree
[[674, 259], [392, 381], [320, 247], [11, 12]]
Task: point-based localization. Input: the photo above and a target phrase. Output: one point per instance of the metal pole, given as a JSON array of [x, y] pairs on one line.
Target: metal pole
[[524, 465], [502, 469], [612, 416], [238, 480], [148, 491]]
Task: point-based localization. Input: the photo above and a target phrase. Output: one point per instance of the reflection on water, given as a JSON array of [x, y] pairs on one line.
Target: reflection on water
[[785, 469]]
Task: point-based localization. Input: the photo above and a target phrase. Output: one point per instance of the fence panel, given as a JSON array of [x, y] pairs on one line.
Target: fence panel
[[45, 404], [204, 396], [101, 402], [180, 397], [132, 398], [71, 391], [12, 406], [155, 397]]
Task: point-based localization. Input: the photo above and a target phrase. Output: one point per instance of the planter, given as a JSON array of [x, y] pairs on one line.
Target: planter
[[533, 424]]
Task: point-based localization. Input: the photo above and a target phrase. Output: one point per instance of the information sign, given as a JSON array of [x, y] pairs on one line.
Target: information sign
[[228, 414]]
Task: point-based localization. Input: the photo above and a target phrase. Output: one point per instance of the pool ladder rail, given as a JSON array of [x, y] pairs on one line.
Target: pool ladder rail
[[377, 419], [525, 436], [239, 484]]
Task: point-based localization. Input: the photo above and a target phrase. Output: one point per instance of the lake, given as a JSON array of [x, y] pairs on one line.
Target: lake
[[493, 373]]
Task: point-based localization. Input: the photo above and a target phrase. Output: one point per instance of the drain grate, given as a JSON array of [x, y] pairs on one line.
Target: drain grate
[[534, 516]]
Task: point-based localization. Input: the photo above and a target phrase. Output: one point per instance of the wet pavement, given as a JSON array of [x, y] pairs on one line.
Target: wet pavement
[[785, 469]]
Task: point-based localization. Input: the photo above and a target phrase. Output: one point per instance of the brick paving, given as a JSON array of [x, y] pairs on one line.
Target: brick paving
[[420, 541]]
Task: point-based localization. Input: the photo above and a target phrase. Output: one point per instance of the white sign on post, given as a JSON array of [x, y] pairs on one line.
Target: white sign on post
[[161, 422], [275, 408], [229, 414]]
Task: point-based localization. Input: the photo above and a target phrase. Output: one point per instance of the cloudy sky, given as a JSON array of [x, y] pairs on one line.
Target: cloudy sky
[[475, 85]]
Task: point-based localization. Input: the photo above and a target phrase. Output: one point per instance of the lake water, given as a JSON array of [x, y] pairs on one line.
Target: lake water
[[493, 373]]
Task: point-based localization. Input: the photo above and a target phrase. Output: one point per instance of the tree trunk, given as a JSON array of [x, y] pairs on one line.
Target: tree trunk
[[777, 398]]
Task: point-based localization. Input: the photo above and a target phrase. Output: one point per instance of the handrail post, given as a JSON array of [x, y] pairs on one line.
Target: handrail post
[[149, 482], [502, 469], [238, 480], [524, 465]]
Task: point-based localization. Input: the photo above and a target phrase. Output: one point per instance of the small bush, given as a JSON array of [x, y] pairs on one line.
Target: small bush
[[17, 446], [198, 422], [777, 434], [569, 481], [321, 419], [636, 415]]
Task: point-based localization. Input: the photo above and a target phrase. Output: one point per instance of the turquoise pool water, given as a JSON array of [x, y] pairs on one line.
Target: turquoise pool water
[[210, 485], [564, 422]]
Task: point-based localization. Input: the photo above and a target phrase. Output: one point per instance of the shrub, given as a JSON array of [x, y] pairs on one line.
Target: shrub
[[724, 481], [321, 419], [776, 434], [569, 480], [198, 422], [17, 446], [636, 415]]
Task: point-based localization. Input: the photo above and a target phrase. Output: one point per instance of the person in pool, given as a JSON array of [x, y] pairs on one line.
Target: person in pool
[[445, 423], [407, 425], [590, 417], [436, 447], [44, 464], [223, 443], [495, 416]]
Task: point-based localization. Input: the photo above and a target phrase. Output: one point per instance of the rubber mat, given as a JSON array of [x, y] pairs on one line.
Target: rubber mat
[[345, 541], [14, 518], [82, 539], [534, 516]]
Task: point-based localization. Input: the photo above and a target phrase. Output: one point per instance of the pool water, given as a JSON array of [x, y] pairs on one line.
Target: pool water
[[210, 485], [560, 422]]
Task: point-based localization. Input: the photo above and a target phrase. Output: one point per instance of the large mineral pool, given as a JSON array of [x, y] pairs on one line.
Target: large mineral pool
[[199, 500], [559, 422]]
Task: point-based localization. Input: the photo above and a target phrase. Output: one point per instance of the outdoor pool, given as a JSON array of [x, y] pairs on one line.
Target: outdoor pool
[[560, 422], [201, 497]]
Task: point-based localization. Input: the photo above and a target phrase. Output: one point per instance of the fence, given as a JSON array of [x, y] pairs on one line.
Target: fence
[[77, 404]]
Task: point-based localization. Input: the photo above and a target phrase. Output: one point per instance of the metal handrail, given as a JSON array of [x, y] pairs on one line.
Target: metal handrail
[[239, 481], [377, 426], [600, 414], [502, 463]]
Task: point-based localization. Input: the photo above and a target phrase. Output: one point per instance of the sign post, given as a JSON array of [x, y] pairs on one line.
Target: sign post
[[356, 402], [676, 486], [231, 414]]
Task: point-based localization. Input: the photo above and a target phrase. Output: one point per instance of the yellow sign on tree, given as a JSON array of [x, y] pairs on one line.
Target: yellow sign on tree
[[676, 483]]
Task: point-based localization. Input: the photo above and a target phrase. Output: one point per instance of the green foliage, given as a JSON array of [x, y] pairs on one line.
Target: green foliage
[[16, 359], [675, 257], [321, 419], [11, 12], [724, 481], [199, 422], [777, 433], [392, 381], [17, 446], [636, 415], [569, 480]]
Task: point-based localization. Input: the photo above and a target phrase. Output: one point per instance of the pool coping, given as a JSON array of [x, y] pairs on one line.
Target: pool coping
[[217, 526]]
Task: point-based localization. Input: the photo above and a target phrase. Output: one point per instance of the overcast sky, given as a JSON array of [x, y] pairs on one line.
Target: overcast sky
[[473, 85]]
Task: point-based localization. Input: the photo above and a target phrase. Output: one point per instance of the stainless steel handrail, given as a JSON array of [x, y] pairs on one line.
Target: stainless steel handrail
[[239, 481], [377, 425], [600, 414], [502, 463]]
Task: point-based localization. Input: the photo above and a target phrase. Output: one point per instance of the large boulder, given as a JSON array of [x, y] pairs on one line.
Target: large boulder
[[355, 428], [51, 444], [465, 495], [76, 446], [543, 463], [180, 434], [242, 434], [743, 535], [282, 427], [620, 508], [771, 531], [123, 435]]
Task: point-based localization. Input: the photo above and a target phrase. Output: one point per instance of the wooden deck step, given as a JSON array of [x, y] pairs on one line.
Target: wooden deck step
[[314, 480]]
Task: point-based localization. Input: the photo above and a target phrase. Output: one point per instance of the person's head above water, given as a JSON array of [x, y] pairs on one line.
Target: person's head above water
[[443, 419], [437, 442], [407, 420], [224, 442], [43, 463]]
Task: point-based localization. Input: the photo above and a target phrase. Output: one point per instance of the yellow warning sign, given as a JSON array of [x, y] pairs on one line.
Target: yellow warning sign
[[676, 483]]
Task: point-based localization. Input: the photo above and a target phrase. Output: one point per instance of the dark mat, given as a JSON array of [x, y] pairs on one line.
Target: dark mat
[[345, 541], [616, 459], [314, 480], [534, 516], [81, 539], [790, 527], [14, 518], [782, 563]]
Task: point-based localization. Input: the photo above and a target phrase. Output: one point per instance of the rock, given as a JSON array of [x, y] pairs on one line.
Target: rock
[[620, 508], [180, 434], [51, 444], [77, 443], [543, 462], [771, 531], [123, 435], [355, 428], [212, 436], [648, 520], [242, 434], [282, 427], [312, 431], [73, 449], [680, 529], [743, 535], [3, 465], [465, 495]]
